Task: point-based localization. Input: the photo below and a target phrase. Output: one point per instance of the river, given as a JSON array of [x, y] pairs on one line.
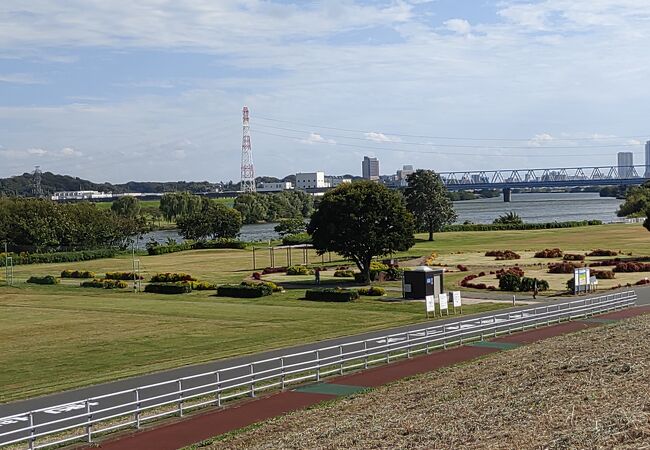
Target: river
[[560, 207]]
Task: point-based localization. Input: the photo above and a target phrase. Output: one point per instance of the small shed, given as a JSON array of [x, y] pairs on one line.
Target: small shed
[[422, 281]]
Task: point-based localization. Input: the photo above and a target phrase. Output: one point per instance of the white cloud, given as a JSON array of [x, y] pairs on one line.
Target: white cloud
[[315, 138], [381, 137], [37, 151], [20, 78], [459, 26], [69, 152], [540, 139]]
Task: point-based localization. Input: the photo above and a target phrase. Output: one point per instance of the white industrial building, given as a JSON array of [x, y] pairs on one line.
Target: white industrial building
[[335, 181], [275, 186], [311, 180]]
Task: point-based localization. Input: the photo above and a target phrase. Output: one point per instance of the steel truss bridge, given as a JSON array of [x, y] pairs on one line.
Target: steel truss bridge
[[545, 178]]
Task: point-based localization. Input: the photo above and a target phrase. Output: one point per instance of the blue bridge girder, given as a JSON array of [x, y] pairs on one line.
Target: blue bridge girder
[[545, 178]]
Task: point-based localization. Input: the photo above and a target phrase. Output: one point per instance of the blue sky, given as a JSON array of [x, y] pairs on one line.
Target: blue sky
[[153, 89]]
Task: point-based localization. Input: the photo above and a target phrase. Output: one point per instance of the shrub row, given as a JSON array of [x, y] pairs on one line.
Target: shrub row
[[549, 253], [523, 226], [104, 284], [601, 252], [158, 249], [372, 291], [606, 262], [202, 286], [274, 287], [127, 276], [331, 295], [462, 268], [168, 288], [503, 255], [632, 266], [344, 274], [171, 277], [603, 274], [573, 257], [296, 239], [244, 291], [268, 270], [77, 274], [299, 270], [516, 271], [58, 257], [47, 279], [564, 267]]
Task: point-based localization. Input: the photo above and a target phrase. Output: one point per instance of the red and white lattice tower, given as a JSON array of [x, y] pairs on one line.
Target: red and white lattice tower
[[247, 169]]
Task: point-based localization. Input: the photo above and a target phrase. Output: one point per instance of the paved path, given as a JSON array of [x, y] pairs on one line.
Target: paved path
[[204, 426]]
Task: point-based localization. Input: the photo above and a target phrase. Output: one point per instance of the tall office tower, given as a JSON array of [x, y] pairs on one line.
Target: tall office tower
[[247, 169], [370, 168], [647, 160], [625, 164]]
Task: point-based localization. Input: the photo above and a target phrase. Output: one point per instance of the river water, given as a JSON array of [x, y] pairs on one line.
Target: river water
[[545, 207]]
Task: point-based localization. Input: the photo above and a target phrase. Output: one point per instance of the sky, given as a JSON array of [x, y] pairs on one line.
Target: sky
[[152, 90]]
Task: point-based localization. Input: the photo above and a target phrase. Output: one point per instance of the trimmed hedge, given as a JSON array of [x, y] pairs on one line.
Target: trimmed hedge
[[47, 279], [296, 239], [104, 284], [564, 267], [503, 255], [269, 270], [157, 249], [603, 274], [523, 226], [372, 291], [516, 271], [126, 276], [573, 257], [202, 286], [77, 274], [274, 287], [632, 266], [171, 277], [168, 288], [344, 274], [601, 252], [331, 295], [244, 291], [58, 257], [299, 270], [549, 253]]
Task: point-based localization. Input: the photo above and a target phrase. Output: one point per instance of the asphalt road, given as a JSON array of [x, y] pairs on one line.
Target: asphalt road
[[75, 398]]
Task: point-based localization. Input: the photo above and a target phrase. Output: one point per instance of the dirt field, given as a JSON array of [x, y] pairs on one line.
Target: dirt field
[[584, 390]]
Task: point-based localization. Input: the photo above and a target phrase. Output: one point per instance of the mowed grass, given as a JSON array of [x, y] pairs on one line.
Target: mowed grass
[[60, 337]]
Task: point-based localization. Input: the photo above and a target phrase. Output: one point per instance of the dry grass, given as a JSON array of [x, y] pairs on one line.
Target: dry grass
[[585, 390]]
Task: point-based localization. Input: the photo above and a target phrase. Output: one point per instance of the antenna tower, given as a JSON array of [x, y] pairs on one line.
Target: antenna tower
[[247, 169], [38, 189]]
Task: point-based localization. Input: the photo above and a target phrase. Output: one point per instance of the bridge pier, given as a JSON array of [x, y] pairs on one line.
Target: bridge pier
[[507, 195]]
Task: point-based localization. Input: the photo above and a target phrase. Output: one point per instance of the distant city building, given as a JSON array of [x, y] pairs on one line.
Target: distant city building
[[311, 180], [370, 168], [647, 160], [404, 172], [335, 181], [275, 186], [626, 163], [80, 195]]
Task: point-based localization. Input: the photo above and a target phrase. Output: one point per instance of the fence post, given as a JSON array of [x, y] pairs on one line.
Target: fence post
[[252, 380], [341, 359], [282, 373], [32, 431], [365, 354], [137, 408], [217, 374], [317, 365], [180, 397], [89, 417]]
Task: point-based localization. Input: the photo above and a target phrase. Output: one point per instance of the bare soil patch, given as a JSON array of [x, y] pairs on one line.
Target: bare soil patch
[[583, 390]]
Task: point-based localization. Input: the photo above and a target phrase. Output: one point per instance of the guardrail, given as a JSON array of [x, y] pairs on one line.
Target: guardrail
[[89, 418]]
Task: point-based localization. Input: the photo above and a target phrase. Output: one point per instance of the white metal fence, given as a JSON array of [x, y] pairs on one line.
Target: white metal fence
[[99, 415]]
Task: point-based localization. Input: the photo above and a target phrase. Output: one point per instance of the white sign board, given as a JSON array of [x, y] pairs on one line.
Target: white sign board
[[431, 303], [407, 287], [444, 302], [581, 279], [457, 301]]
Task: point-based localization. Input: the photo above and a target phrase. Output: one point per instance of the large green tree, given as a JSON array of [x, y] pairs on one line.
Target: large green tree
[[637, 203], [176, 204], [360, 221], [126, 206], [214, 221], [426, 198]]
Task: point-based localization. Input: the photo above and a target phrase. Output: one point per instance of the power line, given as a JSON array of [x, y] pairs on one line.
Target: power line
[[398, 150], [456, 138], [426, 144]]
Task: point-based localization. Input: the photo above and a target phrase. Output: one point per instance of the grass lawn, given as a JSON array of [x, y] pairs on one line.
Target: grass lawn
[[59, 337]]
